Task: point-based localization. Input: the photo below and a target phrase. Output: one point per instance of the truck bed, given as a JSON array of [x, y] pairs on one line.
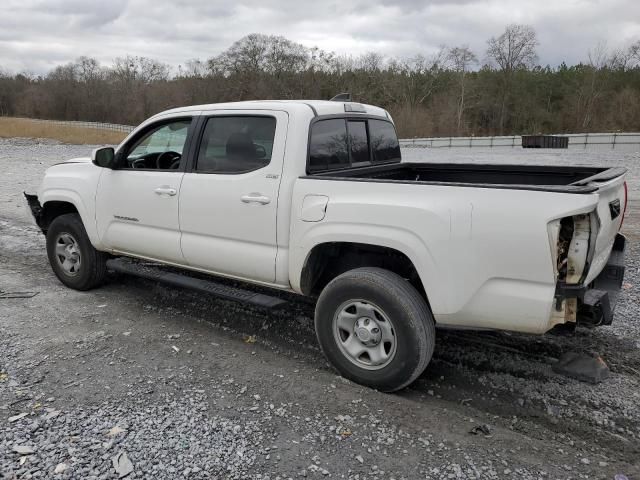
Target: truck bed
[[569, 179]]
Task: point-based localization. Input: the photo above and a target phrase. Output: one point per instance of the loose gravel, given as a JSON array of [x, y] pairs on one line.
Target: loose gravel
[[171, 438], [247, 394]]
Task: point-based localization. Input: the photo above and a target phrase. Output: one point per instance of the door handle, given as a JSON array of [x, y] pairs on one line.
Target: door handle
[[255, 198], [166, 191]]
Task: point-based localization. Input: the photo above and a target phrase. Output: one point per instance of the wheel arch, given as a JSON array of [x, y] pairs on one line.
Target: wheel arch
[[327, 260], [402, 242], [53, 209], [60, 202]]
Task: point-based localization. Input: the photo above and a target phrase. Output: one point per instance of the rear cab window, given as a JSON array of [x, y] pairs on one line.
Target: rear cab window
[[358, 142], [384, 142], [338, 143]]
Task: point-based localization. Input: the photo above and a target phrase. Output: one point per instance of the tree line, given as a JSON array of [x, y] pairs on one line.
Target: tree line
[[457, 91]]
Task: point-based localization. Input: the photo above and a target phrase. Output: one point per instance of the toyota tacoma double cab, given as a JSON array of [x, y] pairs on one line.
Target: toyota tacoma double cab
[[312, 197]]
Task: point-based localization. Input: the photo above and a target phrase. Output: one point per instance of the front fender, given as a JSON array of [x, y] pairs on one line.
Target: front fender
[[86, 212], [76, 184]]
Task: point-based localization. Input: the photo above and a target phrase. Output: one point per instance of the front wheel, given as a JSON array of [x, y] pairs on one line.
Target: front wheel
[[72, 257], [375, 328]]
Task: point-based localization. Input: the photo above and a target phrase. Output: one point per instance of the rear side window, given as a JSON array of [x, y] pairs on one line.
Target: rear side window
[[236, 144], [341, 143], [328, 146], [384, 141]]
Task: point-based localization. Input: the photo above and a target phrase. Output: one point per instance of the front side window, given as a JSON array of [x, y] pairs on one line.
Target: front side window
[[161, 148], [236, 144]]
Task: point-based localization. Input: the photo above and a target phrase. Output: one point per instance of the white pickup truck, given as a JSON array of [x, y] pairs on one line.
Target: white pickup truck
[[312, 197]]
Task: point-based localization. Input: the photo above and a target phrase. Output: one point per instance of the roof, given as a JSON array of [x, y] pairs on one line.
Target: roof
[[317, 107]]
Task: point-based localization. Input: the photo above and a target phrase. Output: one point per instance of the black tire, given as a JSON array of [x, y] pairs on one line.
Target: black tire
[[409, 315], [92, 268]]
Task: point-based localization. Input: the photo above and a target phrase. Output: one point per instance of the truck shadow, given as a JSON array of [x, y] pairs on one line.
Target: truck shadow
[[504, 376]]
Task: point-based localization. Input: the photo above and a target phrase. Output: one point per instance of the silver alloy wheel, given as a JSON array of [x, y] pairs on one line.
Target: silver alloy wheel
[[68, 253], [364, 334]]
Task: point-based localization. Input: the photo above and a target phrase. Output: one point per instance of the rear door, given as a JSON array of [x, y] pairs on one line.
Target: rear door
[[229, 195]]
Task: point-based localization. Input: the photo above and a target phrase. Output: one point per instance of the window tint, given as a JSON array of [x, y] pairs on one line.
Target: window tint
[[328, 147], [236, 144], [161, 148], [358, 141], [340, 143], [384, 142]]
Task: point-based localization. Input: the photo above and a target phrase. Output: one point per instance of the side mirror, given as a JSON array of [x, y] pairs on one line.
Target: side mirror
[[104, 157]]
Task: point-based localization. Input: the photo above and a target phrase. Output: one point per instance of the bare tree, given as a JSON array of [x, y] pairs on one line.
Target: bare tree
[[194, 68], [140, 70], [461, 59], [262, 53], [256, 56], [634, 53], [320, 60], [88, 69], [421, 75], [515, 49], [133, 76], [370, 62], [602, 62], [285, 56]]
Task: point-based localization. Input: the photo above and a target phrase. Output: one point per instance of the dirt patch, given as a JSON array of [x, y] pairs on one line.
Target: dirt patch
[[21, 127]]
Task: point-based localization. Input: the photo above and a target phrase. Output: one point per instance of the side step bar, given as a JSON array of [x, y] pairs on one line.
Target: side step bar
[[185, 281]]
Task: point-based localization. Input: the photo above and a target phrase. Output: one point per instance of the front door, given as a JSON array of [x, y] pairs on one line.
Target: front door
[[229, 198], [137, 203]]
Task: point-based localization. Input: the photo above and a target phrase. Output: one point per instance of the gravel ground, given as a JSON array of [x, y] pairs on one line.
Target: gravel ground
[[246, 393]]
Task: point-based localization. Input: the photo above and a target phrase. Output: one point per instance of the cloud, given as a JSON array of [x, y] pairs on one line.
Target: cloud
[[36, 35], [82, 13]]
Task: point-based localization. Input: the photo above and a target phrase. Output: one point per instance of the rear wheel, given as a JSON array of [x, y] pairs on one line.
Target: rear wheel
[[72, 257], [375, 328]]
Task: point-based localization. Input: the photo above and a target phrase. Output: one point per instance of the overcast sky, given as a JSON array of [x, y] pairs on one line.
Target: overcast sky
[[36, 35]]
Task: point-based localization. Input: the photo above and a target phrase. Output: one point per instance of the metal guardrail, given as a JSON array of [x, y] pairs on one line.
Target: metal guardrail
[[459, 142], [74, 123], [626, 141]]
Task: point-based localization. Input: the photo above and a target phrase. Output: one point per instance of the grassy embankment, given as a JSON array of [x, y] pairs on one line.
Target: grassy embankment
[[21, 127]]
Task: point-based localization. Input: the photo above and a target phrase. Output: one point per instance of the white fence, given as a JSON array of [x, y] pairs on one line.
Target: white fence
[[626, 142], [98, 125], [629, 142]]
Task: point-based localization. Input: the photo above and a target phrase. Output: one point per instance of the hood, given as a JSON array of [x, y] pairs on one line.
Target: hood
[[78, 160], [83, 160]]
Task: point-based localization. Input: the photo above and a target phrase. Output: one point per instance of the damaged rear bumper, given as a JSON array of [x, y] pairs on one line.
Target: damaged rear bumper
[[594, 303]]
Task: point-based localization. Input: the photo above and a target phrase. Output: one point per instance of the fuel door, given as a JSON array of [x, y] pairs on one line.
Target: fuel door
[[314, 208]]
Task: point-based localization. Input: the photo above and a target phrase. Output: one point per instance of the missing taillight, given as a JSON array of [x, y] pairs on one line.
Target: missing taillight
[[564, 240], [573, 248]]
